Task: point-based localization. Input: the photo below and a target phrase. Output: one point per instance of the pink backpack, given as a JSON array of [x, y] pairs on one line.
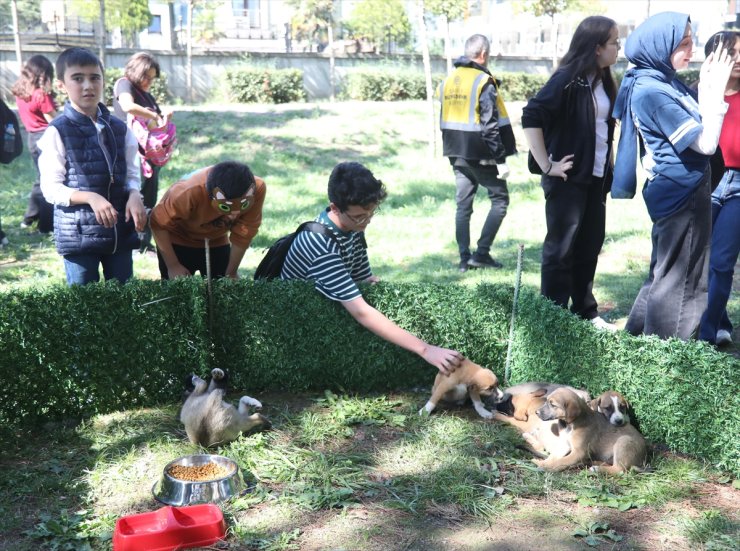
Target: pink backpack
[[156, 146]]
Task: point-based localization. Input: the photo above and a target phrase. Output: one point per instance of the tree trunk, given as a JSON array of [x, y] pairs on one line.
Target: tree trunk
[[189, 64], [16, 35], [432, 132], [554, 35], [330, 32], [101, 45], [448, 45]]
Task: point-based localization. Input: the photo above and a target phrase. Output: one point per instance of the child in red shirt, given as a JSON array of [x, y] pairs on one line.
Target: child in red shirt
[[36, 108]]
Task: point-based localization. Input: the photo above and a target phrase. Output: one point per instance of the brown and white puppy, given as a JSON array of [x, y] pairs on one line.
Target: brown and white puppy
[[612, 405], [542, 436], [211, 421], [469, 379], [517, 408], [592, 438]]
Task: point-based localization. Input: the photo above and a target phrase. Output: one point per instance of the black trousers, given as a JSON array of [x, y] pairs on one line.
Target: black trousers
[[194, 259], [38, 208], [576, 220]]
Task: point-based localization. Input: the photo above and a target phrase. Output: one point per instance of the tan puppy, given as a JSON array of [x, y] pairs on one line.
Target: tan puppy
[[612, 405], [592, 438], [469, 379]]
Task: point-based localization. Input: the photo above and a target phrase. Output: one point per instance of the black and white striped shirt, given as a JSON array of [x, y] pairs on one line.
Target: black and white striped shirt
[[335, 267]]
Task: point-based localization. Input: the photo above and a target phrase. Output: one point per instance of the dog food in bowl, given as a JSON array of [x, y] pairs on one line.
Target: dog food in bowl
[[199, 473], [194, 479]]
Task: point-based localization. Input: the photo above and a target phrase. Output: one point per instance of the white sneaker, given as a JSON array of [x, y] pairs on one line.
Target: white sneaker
[[601, 323], [723, 337]]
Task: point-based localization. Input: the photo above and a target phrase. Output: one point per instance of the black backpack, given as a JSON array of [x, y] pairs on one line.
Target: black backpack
[[11, 142], [272, 263]]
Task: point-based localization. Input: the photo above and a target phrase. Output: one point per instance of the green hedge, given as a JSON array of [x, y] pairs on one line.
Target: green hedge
[[261, 85], [520, 86], [103, 347], [400, 84], [384, 85]]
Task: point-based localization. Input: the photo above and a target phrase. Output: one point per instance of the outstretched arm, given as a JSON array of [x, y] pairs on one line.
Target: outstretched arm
[[443, 359]]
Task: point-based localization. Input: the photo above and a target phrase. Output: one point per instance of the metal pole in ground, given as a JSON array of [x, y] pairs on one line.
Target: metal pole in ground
[[208, 286], [517, 284]]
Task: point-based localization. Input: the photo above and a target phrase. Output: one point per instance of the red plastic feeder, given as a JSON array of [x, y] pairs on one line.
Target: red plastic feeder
[[170, 528]]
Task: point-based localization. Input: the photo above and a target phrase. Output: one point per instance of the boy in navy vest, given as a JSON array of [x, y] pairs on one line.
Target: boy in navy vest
[[89, 172]]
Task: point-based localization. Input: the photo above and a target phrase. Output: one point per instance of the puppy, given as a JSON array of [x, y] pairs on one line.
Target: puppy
[[506, 404], [612, 405], [592, 438], [469, 379], [542, 436], [209, 420]]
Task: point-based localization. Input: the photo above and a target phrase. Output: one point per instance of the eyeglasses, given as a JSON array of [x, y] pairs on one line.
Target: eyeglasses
[[362, 219], [616, 43]]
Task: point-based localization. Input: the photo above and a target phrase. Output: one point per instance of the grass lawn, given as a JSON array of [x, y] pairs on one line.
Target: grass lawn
[[357, 472]]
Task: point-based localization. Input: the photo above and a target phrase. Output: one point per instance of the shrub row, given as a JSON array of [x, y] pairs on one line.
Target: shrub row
[[260, 85], [396, 84], [103, 347]]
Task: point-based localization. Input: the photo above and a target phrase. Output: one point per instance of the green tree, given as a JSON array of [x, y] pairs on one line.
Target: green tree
[[131, 16], [450, 10], [551, 8], [312, 20], [381, 22], [205, 29], [29, 15]]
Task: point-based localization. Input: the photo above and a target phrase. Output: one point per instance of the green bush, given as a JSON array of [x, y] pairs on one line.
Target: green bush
[[83, 350], [400, 84], [384, 85], [260, 85], [519, 86]]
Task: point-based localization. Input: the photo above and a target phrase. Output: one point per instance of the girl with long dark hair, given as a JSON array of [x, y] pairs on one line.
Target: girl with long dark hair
[[36, 107], [569, 128]]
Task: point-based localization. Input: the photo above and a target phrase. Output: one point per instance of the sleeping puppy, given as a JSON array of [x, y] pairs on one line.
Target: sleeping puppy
[[469, 379], [506, 404], [592, 438], [612, 405], [209, 420], [542, 436]]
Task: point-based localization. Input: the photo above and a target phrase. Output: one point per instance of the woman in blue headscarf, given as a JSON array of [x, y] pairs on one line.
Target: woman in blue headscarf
[[678, 135]]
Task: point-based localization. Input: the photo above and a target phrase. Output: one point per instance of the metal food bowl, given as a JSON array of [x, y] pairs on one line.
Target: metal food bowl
[[177, 492]]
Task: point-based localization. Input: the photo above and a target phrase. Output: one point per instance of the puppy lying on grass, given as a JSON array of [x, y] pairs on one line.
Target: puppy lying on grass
[[590, 437], [469, 379], [211, 421]]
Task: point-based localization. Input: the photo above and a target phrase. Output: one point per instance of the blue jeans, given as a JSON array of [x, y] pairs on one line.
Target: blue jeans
[[723, 254], [83, 268], [467, 180]]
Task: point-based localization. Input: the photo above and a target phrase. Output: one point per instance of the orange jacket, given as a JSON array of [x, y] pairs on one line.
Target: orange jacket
[[186, 212]]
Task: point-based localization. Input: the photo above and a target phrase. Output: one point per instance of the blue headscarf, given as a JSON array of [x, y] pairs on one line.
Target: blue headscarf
[[649, 49]]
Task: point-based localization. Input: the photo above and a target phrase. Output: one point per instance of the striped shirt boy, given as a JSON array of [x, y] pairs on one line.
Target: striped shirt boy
[[335, 266]]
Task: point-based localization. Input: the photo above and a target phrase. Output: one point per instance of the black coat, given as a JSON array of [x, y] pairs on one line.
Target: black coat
[[564, 109]]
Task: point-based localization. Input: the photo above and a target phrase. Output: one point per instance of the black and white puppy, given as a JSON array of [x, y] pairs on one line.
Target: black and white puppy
[[211, 421]]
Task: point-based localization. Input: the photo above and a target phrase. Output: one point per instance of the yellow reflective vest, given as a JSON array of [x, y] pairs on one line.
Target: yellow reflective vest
[[460, 116]]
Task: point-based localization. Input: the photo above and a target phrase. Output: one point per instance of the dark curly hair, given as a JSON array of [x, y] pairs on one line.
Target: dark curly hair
[[351, 183], [232, 178]]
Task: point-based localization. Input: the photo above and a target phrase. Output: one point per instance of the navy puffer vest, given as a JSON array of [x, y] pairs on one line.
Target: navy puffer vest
[[90, 168]]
